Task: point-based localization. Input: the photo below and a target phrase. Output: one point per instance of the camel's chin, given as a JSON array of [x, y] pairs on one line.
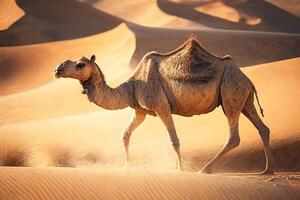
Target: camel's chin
[[57, 76]]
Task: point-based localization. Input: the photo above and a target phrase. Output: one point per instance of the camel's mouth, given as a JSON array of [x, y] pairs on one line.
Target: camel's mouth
[[58, 73]]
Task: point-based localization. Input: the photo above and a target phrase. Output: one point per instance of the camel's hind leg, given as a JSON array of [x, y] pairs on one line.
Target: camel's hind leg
[[136, 120], [232, 142], [250, 112], [234, 90]]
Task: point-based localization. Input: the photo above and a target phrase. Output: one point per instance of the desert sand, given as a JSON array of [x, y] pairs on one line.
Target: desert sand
[[72, 149]]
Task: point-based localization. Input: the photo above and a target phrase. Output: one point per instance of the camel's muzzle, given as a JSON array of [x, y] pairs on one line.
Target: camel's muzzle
[[58, 72]]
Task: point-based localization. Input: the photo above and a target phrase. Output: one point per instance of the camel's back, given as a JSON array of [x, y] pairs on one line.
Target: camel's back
[[189, 62]]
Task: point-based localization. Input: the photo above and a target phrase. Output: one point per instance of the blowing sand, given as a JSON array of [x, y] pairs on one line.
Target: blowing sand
[[61, 127]]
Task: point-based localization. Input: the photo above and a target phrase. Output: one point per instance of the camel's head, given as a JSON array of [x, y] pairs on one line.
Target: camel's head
[[80, 69]]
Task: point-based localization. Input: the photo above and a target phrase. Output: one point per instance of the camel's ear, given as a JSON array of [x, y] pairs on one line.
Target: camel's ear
[[93, 58]]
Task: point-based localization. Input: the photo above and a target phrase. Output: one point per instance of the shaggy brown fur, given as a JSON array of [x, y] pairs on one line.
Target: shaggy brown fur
[[187, 81]]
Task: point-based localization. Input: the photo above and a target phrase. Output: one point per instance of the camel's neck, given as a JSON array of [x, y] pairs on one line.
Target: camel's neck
[[104, 96]]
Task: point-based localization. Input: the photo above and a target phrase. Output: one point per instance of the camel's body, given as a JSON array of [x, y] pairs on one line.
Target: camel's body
[[188, 81], [189, 89]]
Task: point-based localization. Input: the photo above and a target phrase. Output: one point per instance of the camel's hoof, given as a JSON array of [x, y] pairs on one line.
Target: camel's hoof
[[205, 170], [125, 166], [267, 172], [180, 169]]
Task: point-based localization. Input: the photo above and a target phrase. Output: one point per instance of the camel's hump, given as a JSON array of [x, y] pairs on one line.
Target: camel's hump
[[190, 61]]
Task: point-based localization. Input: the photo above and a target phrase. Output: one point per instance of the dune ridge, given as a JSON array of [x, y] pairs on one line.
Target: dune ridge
[[105, 184]]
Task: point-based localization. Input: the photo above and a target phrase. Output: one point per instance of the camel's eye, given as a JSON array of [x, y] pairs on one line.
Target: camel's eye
[[80, 65]]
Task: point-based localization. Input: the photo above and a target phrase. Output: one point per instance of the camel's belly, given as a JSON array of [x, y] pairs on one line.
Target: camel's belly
[[193, 99]]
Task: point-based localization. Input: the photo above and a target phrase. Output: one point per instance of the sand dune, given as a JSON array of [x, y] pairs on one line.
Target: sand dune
[[238, 15], [290, 6], [14, 14], [62, 128], [61, 20], [210, 14], [145, 14], [106, 184]]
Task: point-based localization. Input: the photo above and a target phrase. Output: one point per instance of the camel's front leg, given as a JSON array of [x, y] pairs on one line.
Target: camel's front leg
[[167, 119], [136, 119]]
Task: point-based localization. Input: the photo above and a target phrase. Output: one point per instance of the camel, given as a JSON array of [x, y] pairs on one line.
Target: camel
[[186, 81]]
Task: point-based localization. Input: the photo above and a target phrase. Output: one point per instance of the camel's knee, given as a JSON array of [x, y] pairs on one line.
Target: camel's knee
[[233, 142], [125, 136]]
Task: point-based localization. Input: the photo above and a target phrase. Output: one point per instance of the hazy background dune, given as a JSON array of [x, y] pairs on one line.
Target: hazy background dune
[[45, 122]]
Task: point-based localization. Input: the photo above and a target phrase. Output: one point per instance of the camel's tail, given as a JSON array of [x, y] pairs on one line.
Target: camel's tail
[[260, 108]]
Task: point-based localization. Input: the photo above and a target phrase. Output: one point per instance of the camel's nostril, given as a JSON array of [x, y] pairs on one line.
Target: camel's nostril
[[57, 71]]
